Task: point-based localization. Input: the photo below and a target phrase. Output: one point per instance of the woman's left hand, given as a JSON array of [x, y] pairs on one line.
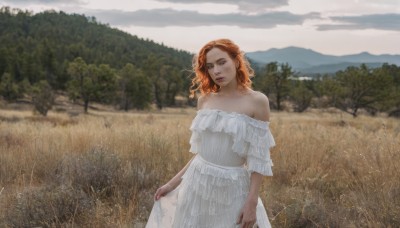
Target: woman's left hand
[[247, 217]]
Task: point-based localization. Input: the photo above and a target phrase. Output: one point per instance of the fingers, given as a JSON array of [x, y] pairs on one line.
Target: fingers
[[157, 195], [239, 219], [245, 223], [160, 192], [248, 225]]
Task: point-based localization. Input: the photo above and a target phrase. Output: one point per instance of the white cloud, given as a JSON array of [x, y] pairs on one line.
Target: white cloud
[[339, 27], [244, 5], [170, 17], [50, 2], [374, 21]]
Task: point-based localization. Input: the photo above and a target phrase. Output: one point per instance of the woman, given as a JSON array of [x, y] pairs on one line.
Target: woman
[[231, 139]]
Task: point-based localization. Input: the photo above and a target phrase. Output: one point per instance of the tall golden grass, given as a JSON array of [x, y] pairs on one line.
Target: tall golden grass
[[101, 169]]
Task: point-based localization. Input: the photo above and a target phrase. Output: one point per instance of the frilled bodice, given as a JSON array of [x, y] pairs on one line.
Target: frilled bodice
[[232, 139]]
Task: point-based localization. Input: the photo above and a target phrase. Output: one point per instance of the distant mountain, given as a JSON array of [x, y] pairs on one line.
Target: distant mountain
[[307, 61], [333, 68]]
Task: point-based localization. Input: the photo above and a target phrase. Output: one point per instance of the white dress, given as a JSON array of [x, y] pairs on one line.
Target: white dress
[[228, 147]]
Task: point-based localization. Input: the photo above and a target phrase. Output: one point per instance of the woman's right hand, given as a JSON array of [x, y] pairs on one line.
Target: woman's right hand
[[162, 191]]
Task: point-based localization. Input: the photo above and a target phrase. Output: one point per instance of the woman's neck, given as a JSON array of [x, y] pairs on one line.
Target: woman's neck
[[229, 89], [232, 92]]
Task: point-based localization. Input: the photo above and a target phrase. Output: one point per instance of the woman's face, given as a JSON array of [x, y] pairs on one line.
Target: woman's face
[[221, 67]]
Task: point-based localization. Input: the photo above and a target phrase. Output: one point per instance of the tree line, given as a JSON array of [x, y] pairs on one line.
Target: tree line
[[49, 52], [351, 90], [53, 51]]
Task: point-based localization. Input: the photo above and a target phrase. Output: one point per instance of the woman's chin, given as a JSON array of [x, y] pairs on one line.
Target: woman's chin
[[221, 83]]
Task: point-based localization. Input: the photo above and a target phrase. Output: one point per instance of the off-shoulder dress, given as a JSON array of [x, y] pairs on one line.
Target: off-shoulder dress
[[228, 147]]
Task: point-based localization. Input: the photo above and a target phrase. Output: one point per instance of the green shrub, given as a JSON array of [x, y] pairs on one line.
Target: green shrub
[[42, 97], [49, 206]]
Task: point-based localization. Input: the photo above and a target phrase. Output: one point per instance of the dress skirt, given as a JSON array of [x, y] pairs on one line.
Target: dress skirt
[[209, 196]]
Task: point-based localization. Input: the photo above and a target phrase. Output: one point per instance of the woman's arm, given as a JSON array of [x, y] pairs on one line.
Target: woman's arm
[[247, 217], [176, 180], [172, 184]]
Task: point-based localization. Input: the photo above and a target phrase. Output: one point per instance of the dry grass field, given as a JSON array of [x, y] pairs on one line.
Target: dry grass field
[[101, 169]]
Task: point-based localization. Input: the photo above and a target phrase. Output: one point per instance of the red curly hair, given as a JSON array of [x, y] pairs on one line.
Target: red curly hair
[[203, 81]]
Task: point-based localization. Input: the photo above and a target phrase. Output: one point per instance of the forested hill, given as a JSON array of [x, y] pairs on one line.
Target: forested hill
[[42, 46]]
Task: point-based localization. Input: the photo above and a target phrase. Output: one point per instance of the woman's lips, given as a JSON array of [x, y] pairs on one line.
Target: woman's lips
[[219, 79]]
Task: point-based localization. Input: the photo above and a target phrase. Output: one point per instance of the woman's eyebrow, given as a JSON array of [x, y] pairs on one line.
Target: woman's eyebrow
[[218, 60]]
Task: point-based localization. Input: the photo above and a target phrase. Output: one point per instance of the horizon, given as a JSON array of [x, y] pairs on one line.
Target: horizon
[[331, 28], [359, 53]]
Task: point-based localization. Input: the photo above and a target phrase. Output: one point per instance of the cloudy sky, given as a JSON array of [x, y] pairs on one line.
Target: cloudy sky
[[334, 27]]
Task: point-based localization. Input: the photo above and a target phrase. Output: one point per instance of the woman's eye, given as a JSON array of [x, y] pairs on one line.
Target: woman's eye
[[210, 66], [222, 62]]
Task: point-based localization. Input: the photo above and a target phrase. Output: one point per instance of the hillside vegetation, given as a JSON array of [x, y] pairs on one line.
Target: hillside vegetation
[[47, 54], [50, 46]]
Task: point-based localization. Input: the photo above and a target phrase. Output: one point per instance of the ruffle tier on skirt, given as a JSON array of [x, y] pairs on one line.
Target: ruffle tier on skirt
[[209, 196]]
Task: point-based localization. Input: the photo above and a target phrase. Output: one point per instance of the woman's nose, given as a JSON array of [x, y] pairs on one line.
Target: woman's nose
[[216, 70]]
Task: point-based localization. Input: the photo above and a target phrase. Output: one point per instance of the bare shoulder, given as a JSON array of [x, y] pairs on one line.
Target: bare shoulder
[[260, 104], [259, 98], [202, 100]]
